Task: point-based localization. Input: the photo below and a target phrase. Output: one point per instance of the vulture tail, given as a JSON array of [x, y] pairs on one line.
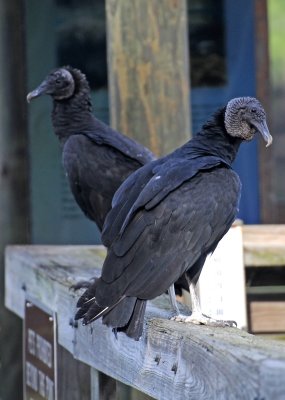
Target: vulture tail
[[126, 315], [134, 327]]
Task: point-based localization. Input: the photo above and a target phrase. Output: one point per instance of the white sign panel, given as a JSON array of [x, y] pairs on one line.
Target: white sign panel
[[222, 281]]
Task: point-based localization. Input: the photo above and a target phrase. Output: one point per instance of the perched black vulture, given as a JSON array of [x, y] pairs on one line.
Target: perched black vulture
[[96, 158], [167, 217]]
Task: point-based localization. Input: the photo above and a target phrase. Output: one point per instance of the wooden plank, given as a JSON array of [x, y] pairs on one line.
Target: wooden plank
[[264, 235], [149, 72], [268, 207], [266, 290], [264, 256], [41, 270], [107, 387], [74, 377], [171, 360], [264, 245], [14, 175], [267, 316]]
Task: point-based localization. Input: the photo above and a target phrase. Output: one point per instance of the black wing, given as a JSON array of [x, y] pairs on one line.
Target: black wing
[[148, 187], [160, 244], [95, 171], [103, 134]]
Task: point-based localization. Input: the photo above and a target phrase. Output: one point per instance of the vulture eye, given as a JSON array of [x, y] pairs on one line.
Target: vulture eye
[[58, 80], [253, 110]]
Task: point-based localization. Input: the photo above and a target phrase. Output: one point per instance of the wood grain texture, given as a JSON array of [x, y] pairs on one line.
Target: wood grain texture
[[269, 210], [14, 180], [73, 377], [264, 245], [171, 360], [267, 316], [149, 71]]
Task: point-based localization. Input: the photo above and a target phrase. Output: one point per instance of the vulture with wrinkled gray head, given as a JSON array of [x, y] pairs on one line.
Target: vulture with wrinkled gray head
[[167, 217]]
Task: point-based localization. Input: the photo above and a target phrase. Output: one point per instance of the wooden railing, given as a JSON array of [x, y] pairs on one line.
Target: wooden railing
[[264, 246], [171, 360]]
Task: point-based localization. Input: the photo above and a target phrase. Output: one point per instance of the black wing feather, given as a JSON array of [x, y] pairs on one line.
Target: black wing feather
[[170, 239], [103, 134], [95, 172], [148, 187]]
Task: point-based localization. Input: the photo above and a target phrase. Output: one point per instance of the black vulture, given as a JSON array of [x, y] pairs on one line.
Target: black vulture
[[96, 158], [167, 217]]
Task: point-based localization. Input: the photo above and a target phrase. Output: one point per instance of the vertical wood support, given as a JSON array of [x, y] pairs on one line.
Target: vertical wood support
[[14, 213], [149, 72], [148, 68], [267, 209], [74, 377]]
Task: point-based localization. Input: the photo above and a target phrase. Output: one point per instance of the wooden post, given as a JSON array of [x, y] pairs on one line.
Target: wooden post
[[268, 209], [74, 377], [14, 214], [148, 71], [149, 76]]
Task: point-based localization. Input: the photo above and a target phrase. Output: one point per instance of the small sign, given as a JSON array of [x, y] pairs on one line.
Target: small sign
[[222, 281], [39, 353]]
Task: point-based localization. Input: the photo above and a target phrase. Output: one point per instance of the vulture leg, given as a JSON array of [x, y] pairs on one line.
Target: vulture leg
[[197, 317], [173, 302]]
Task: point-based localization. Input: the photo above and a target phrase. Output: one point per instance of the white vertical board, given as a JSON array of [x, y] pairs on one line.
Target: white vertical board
[[222, 281]]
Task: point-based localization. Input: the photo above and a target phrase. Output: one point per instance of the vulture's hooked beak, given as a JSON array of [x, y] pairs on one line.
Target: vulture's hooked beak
[[37, 92], [263, 129]]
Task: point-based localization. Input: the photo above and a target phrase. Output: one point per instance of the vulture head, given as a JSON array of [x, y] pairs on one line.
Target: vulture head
[[244, 117], [59, 84]]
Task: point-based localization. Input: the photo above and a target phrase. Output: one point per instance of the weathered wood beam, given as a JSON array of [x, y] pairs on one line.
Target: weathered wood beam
[[171, 361], [74, 378], [149, 72], [264, 245], [267, 316], [268, 209], [14, 192]]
